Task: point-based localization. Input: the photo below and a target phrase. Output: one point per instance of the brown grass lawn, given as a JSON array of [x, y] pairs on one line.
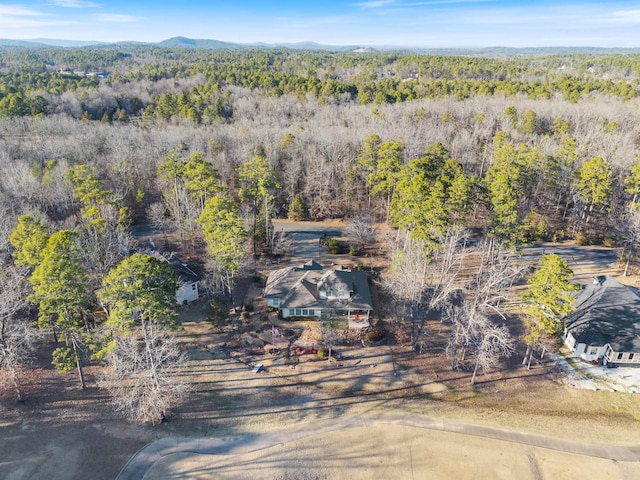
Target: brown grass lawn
[[61, 432]]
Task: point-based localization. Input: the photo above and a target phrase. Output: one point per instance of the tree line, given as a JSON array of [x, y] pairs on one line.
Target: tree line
[[32, 77]]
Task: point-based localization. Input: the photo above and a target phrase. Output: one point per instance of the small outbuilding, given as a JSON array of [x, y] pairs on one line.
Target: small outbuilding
[[187, 291]]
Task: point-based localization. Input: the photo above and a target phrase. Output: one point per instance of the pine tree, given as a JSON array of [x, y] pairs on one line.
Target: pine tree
[[548, 299], [59, 288], [224, 233], [29, 239], [594, 186], [297, 209]]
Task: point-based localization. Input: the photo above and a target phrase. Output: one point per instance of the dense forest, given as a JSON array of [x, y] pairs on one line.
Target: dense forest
[[215, 143]]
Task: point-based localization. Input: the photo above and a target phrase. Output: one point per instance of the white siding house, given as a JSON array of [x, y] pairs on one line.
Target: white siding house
[[605, 327], [310, 291], [187, 291]]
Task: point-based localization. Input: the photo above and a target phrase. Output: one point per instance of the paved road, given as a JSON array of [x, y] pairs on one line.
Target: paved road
[[144, 460], [593, 260], [304, 238]]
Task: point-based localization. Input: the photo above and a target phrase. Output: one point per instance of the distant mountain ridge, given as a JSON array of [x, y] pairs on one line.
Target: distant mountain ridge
[[184, 42], [211, 44]]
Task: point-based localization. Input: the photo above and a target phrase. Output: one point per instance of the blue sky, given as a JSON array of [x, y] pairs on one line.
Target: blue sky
[[428, 23]]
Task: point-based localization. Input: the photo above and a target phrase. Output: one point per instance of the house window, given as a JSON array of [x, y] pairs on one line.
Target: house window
[[275, 302], [631, 355], [311, 313], [297, 312], [620, 356]]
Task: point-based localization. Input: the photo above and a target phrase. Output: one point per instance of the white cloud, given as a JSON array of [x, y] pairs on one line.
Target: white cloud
[[16, 11], [627, 16], [375, 3], [414, 4], [18, 18], [74, 3], [116, 18]]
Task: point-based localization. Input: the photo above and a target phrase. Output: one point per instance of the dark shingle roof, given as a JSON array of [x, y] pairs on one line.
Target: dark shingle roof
[[297, 287], [183, 273], [607, 312]]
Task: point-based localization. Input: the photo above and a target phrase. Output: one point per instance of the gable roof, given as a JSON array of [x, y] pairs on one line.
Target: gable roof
[[607, 312], [298, 287], [183, 273], [337, 281]]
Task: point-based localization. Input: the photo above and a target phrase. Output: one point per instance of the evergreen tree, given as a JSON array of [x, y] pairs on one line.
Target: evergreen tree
[[432, 194], [224, 233], [297, 209], [29, 239], [632, 183], [594, 186], [59, 288], [548, 299], [141, 288], [257, 180], [201, 178]]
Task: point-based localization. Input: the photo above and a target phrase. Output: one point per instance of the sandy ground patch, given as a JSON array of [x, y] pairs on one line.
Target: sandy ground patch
[[597, 377], [392, 451]]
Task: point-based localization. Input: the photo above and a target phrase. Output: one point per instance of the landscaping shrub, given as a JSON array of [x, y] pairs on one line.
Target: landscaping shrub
[[535, 227], [375, 334], [218, 313], [583, 239], [332, 245]]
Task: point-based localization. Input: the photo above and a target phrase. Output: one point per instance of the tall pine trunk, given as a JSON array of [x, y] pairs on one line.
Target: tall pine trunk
[[83, 385]]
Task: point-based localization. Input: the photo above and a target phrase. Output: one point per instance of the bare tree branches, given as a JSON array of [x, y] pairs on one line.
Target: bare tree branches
[[422, 281], [17, 336], [360, 229], [143, 374], [470, 314]]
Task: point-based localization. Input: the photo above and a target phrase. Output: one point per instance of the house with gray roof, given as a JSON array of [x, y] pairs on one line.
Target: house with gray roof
[[309, 290], [187, 291], [605, 326]]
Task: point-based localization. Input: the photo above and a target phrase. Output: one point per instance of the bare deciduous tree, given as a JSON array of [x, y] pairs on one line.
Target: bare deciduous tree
[[361, 230], [423, 281], [406, 282], [17, 336], [279, 242], [142, 374], [470, 312], [490, 342]]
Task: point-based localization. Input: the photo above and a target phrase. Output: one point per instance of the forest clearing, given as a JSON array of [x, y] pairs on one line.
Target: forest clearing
[[475, 192], [229, 401]]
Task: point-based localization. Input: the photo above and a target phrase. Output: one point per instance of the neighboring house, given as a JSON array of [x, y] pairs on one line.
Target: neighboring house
[[187, 291], [605, 327], [310, 291]]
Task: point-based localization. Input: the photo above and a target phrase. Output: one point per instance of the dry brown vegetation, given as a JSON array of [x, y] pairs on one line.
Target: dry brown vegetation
[[228, 400]]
